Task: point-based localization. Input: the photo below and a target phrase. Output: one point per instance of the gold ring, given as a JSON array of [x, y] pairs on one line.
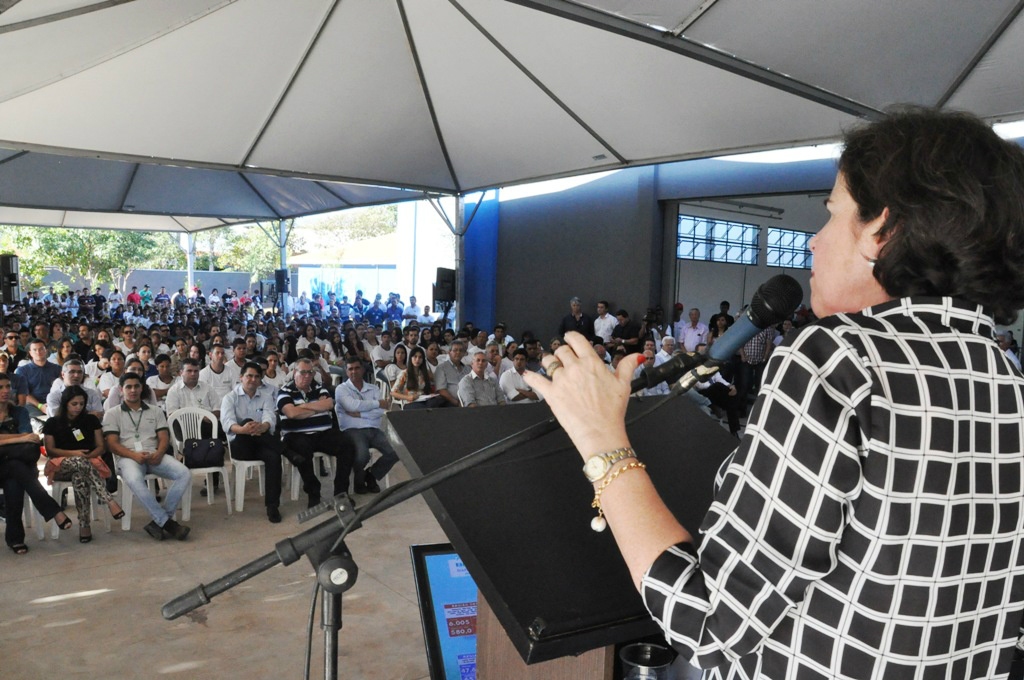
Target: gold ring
[[552, 367]]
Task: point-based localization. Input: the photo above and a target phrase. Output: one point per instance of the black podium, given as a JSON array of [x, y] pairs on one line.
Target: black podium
[[521, 523]]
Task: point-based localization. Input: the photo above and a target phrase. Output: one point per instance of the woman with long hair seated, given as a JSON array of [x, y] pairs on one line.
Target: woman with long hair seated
[[65, 348], [415, 384], [74, 444], [19, 451], [395, 369]]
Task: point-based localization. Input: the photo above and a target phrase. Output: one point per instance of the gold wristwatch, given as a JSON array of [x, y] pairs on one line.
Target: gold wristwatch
[[598, 466]]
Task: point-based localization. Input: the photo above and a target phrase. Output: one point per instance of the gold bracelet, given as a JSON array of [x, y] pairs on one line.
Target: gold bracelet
[[599, 523]]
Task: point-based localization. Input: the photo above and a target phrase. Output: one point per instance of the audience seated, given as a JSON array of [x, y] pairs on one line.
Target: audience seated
[[307, 426], [74, 447], [136, 433], [360, 408]]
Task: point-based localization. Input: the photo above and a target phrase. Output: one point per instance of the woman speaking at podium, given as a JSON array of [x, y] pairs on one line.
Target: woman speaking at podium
[[870, 523]]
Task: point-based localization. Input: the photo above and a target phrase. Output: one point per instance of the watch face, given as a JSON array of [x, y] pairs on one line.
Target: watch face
[[595, 467]]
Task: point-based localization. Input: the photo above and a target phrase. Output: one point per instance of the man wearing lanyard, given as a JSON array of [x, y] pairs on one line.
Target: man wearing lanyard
[[137, 434]]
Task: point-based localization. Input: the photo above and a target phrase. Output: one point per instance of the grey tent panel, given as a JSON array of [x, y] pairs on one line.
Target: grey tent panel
[[357, 194], [167, 190], [64, 182], [996, 83], [294, 196], [875, 53]]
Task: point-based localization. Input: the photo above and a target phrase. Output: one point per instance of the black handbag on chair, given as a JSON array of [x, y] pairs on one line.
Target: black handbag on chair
[[203, 453]]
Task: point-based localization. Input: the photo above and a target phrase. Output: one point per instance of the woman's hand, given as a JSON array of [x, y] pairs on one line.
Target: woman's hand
[[588, 400]]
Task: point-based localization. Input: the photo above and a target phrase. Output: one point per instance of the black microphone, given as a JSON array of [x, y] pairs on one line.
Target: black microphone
[[774, 301]]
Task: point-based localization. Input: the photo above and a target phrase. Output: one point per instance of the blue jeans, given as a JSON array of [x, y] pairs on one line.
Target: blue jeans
[[133, 475], [363, 439]]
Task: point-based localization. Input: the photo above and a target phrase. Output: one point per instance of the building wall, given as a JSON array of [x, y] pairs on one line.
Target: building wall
[[705, 284], [601, 240]]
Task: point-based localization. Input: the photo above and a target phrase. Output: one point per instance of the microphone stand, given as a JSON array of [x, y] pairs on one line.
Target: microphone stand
[[324, 543]]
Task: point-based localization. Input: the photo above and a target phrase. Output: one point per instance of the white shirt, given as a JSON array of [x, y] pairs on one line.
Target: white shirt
[[511, 382], [378, 353], [689, 336], [155, 383], [412, 310], [603, 326], [425, 318], [220, 383], [200, 396]]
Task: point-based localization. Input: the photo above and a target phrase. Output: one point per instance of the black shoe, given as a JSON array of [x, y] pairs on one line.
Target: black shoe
[[371, 484], [155, 530], [273, 514], [313, 501], [175, 530], [203, 492], [360, 488]]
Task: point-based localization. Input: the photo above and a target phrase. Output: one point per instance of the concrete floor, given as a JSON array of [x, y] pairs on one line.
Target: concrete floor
[[93, 611]]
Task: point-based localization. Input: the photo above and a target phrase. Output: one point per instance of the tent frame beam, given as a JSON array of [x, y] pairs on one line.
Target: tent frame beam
[[702, 53], [56, 16], [426, 96], [1010, 17], [537, 81]]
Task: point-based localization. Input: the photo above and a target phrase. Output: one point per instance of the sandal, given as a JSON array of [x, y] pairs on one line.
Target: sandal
[[83, 537], [116, 515], [19, 548], [65, 525]]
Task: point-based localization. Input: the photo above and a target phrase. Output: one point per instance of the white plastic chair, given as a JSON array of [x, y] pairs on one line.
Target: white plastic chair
[[190, 422], [57, 489], [128, 498], [34, 519], [242, 469], [296, 479]]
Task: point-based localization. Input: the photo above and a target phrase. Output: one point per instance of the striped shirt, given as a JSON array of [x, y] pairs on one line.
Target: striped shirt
[[290, 395]]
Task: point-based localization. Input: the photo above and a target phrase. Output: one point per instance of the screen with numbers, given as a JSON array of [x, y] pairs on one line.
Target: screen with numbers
[[448, 597]]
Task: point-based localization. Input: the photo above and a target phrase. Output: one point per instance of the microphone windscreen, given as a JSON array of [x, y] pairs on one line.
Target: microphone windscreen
[[775, 300]]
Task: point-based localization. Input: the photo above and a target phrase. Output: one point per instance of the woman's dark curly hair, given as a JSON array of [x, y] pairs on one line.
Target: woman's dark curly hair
[[955, 194]]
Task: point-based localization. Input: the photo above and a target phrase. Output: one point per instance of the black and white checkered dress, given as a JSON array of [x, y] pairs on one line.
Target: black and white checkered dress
[[869, 525]]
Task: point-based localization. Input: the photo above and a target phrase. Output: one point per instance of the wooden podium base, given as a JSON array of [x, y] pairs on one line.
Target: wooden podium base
[[497, 658]]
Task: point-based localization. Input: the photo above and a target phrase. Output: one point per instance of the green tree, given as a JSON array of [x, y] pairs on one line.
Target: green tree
[[249, 249], [355, 224], [96, 255]]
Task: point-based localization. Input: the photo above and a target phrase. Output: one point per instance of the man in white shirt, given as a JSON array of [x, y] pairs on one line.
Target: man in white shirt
[[694, 333], [1004, 344], [412, 311], [604, 323], [360, 409], [73, 373], [668, 348], [426, 317], [512, 384], [190, 391], [383, 354], [497, 364], [217, 376]]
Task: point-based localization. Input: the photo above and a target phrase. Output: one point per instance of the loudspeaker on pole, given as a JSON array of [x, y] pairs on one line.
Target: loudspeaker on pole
[[10, 288]]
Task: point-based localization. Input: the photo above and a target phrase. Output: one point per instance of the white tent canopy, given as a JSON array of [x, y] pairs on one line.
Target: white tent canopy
[[41, 189], [451, 95], [455, 95]]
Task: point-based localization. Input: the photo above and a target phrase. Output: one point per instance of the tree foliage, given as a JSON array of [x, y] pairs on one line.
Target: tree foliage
[[96, 255], [249, 249], [354, 225]]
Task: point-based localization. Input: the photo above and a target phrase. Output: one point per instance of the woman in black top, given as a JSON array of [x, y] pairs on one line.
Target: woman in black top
[[75, 438]]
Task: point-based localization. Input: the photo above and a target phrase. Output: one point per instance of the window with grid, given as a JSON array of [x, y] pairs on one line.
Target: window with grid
[[712, 240], [788, 248]]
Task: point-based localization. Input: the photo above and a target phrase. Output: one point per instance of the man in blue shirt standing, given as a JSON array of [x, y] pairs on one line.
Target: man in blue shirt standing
[[375, 314], [39, 374]]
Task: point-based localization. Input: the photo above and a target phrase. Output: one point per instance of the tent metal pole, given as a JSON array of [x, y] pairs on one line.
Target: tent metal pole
[[460, 261], [190, 258]]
